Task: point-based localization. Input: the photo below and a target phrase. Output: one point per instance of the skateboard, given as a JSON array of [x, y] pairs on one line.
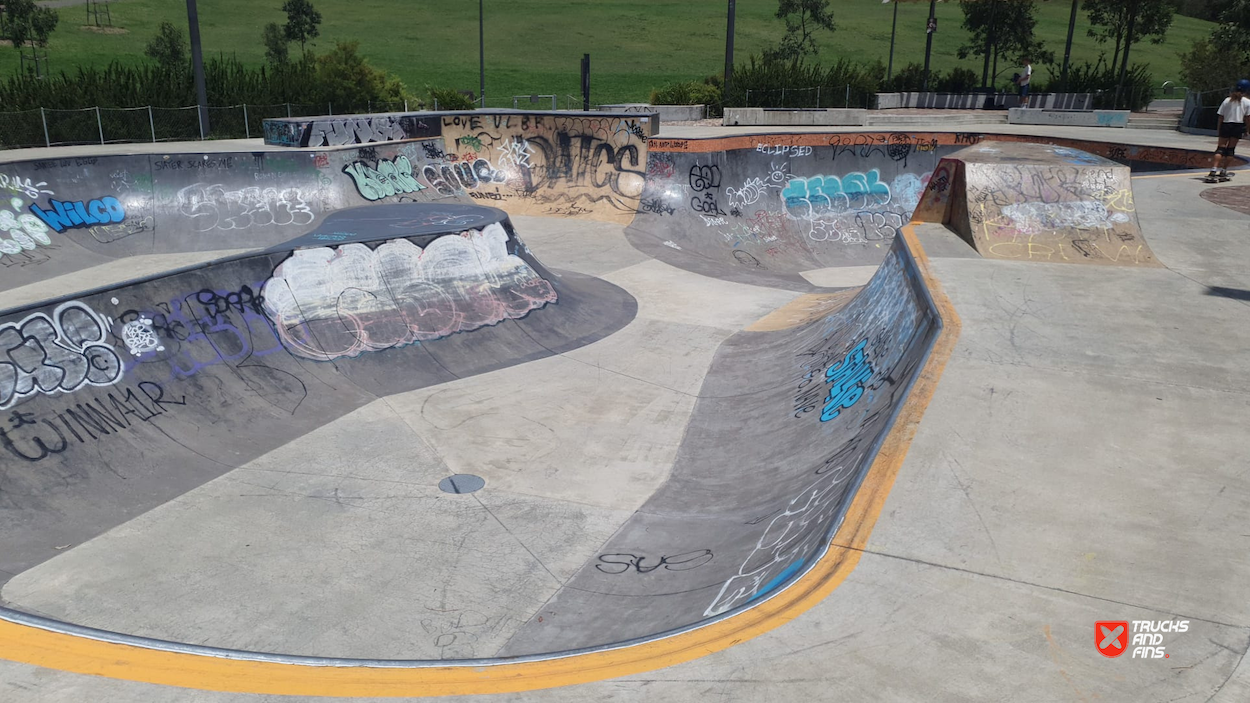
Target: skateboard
[[1219, 179]]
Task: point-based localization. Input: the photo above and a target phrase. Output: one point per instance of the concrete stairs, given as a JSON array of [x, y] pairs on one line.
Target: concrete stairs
[[1154, 120]]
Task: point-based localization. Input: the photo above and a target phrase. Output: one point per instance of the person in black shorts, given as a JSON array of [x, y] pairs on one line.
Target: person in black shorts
[[1234, 113], [1023, 81]]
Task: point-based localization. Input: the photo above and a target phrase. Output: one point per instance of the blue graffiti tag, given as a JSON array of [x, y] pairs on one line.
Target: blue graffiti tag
[[811, 197], [61, 216], [848, 379]]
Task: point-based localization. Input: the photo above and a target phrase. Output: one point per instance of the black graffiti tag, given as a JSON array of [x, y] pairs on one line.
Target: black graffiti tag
[[620, 563]]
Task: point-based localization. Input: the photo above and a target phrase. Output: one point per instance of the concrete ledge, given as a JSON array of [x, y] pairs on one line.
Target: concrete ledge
[[824, 117], [1073, 118], [668, 113], [340, 130]]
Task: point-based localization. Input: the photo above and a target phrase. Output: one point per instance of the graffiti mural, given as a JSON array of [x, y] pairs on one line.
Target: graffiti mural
[[338, 131], [56, 353], [385, 178], [332, 303], [546, 165], [210, 206], [21, 231]]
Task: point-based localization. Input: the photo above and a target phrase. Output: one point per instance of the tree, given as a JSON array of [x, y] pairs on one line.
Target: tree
[[28, 25], [275, 41], [167, 48], [1233, 32], [803, 18], [346, 79], [1217, 62], [1111, 20], [1007, 25], [302, 20]]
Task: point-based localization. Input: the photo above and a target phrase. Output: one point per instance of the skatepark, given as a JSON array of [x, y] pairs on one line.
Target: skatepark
[[552, 406]]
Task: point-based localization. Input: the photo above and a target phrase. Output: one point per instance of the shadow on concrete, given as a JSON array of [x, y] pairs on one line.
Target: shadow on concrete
[[1234, 293]]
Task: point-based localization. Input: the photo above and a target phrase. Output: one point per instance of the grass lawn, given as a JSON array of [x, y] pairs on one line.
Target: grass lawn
[[534, 46]]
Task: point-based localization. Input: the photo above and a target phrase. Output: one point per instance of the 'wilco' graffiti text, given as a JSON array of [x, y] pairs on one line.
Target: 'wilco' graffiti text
[[61, 216]]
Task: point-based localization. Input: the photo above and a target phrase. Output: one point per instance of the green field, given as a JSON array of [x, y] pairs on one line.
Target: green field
[[534, 46]]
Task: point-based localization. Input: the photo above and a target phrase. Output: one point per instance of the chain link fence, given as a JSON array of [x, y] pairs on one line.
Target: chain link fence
[[818, 97], [117, 125]]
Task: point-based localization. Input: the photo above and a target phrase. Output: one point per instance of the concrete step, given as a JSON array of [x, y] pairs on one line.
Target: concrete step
[[929, 119], [1169, 126]]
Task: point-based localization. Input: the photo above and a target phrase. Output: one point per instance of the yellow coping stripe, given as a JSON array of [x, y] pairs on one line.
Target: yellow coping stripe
[[30, 645]]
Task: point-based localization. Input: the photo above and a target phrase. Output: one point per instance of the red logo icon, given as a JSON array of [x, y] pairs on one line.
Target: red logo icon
[[1111, 637]]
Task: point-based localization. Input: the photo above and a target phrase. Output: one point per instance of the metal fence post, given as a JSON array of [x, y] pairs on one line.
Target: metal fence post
[[99, 123], [46, 140], [247, 129], [200, 114], [748, 97], [817, 96], [848, 95], [329, 108], [152, 124], [405, 104], [288, 109]]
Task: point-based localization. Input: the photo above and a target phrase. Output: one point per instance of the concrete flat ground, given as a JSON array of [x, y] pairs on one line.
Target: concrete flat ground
[[1083, 459]]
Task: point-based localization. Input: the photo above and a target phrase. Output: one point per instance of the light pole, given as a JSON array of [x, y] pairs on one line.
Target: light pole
[[889, 72], [1067, 49], [928, 42], [197, 65], [481, 54]]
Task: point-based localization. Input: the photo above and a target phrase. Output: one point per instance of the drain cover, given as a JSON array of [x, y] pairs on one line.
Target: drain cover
[[461, 483]]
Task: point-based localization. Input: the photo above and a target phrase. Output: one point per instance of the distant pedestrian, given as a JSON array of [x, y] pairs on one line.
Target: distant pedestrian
[[1234, 117], [1025, 77]]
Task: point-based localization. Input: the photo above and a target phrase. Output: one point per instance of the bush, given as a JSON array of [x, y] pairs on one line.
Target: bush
[[448, 99], [911, 79], [1099, 79], [796, 83], [687, 93]]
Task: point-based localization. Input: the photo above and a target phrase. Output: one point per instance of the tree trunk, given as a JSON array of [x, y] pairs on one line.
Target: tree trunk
[[1115, 58], [994, 78]]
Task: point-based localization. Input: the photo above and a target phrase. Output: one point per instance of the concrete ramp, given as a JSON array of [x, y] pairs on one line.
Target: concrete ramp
[[1037, 202], [122, 399]]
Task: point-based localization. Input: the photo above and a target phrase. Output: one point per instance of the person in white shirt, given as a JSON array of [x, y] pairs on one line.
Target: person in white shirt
[[1234, 115], [1023, 82]]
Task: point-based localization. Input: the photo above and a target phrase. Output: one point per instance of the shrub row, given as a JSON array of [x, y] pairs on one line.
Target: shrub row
[[761, 83]]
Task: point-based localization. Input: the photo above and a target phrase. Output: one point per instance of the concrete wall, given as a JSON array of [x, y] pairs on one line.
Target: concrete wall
[[344, 130], [977, 101], [666, 113], [1093, 118], [787, 117]]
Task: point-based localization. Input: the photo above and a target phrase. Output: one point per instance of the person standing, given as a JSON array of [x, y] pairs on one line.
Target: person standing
[[1026, 76], [1234, 115]]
